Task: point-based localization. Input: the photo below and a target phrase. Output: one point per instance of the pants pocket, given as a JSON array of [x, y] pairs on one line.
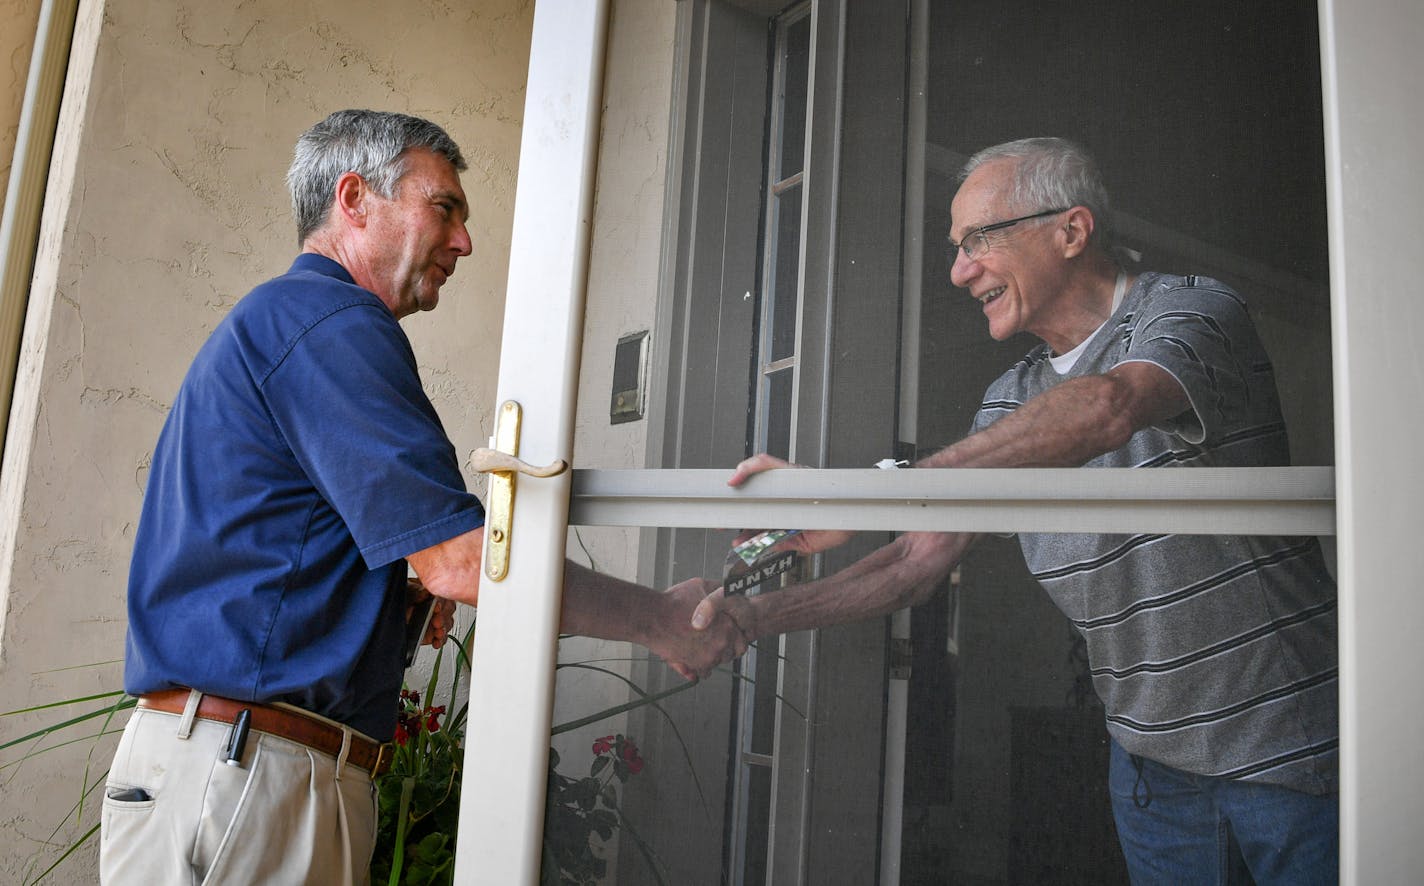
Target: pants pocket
[[222, 802], [122, 833]]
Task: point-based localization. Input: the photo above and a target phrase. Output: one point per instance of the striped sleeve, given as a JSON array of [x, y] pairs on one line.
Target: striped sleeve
[[1201, 334]]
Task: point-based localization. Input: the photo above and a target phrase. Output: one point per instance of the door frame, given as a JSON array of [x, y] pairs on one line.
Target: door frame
[[511, 691], [1372, 192]]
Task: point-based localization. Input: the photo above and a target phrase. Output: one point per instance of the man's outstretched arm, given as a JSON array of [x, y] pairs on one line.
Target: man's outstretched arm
[[597, 605], [1063, 427], [1071, 423], [903, 573]]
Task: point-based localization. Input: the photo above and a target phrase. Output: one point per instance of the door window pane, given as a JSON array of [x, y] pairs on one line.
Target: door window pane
[[784, 266], [1207, 127]]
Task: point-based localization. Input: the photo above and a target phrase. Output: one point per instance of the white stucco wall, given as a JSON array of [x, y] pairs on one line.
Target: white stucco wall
[[170, 206], [623, 280], [622, 286]]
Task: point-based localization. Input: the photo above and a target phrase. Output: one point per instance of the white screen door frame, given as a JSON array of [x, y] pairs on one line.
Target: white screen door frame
[[1373, 192], [512, 685]]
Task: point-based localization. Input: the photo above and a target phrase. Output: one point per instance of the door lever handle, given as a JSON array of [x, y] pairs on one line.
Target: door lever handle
[[492, 461], [501, 461]]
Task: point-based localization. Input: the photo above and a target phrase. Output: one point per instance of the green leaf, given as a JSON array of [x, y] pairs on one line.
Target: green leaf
[[68, 852], [643, 699], [63, 703], [125, 704], [47, 749], [398, 859]]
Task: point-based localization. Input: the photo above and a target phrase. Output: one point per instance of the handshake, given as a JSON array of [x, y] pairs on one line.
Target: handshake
[[704, 625]]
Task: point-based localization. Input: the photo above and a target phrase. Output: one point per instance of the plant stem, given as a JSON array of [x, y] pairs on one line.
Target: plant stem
[[398, 861], [618, 709]]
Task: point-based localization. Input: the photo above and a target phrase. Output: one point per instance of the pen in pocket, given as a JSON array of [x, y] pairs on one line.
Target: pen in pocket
[[237, 739]]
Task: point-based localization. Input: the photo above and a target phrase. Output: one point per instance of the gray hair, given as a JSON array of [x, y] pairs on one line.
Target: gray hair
[[371, 144], [1051, 173]]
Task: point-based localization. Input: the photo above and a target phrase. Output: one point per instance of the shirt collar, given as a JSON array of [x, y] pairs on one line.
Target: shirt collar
[[320, 264]]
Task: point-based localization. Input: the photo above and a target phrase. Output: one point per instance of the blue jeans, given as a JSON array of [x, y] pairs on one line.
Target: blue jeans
[[1180, 828]]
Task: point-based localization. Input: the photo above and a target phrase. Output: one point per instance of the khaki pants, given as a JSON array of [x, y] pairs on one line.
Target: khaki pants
[[285, 817]]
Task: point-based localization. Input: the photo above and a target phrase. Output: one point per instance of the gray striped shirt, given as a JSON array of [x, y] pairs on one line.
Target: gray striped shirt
[[1212, 654]]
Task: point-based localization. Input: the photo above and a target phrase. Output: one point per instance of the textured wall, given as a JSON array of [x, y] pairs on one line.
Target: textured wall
[[622, 288], [175, 208], [626, 249]]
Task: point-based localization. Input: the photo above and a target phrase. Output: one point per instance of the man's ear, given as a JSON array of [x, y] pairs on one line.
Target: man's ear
[[1077, 229], [352, 196]]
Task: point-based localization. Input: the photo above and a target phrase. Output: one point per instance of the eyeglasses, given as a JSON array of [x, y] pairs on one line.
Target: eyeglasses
[[976, 243]]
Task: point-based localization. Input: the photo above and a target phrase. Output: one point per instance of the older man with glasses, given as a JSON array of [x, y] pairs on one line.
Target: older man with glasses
[[1214, 656]]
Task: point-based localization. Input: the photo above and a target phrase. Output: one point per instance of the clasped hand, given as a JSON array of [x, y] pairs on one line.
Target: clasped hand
[[808, 541], [694, 652], [441, 621]]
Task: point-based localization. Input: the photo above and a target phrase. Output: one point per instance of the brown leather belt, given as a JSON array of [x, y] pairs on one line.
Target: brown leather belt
[[371, 756]]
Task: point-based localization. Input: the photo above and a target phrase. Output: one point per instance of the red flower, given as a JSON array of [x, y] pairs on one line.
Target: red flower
[[401, 735], [630, 756], [432, 718], [603, 745]]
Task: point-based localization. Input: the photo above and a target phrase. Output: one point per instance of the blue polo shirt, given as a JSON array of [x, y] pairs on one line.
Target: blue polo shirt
[[300, 464]]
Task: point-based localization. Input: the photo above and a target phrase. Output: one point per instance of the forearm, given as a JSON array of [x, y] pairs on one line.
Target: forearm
[[1072, 423], [900, 574], [451, 569], [1052, 430], [598, 605]]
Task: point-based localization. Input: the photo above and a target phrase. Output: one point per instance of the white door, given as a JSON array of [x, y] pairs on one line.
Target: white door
[[511, 696], [502, 804]]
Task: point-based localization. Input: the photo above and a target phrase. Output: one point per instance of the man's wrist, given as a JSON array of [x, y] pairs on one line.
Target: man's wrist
[[658, 619], [746, 622]]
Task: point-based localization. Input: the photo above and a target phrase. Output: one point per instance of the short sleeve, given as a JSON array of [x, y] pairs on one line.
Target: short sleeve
[[346, 398], [1203, 337]]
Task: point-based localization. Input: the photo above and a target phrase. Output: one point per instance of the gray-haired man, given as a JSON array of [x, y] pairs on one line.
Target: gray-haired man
[[300, 469], [1214, 656]]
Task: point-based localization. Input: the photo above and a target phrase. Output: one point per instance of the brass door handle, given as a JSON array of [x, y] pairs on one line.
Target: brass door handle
[[492, 461], [502, 463]]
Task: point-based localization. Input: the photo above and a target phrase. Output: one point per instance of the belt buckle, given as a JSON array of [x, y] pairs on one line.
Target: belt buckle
[[381, 757]]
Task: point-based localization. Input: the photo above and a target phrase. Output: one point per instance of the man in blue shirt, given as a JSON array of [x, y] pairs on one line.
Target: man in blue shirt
[[300, 470]]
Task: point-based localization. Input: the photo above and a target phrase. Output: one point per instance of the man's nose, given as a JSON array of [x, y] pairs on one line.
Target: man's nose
[[963, 269], [461, 242]]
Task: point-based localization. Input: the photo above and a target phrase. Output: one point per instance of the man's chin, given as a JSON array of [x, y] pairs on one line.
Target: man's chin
[[1000, 327]]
